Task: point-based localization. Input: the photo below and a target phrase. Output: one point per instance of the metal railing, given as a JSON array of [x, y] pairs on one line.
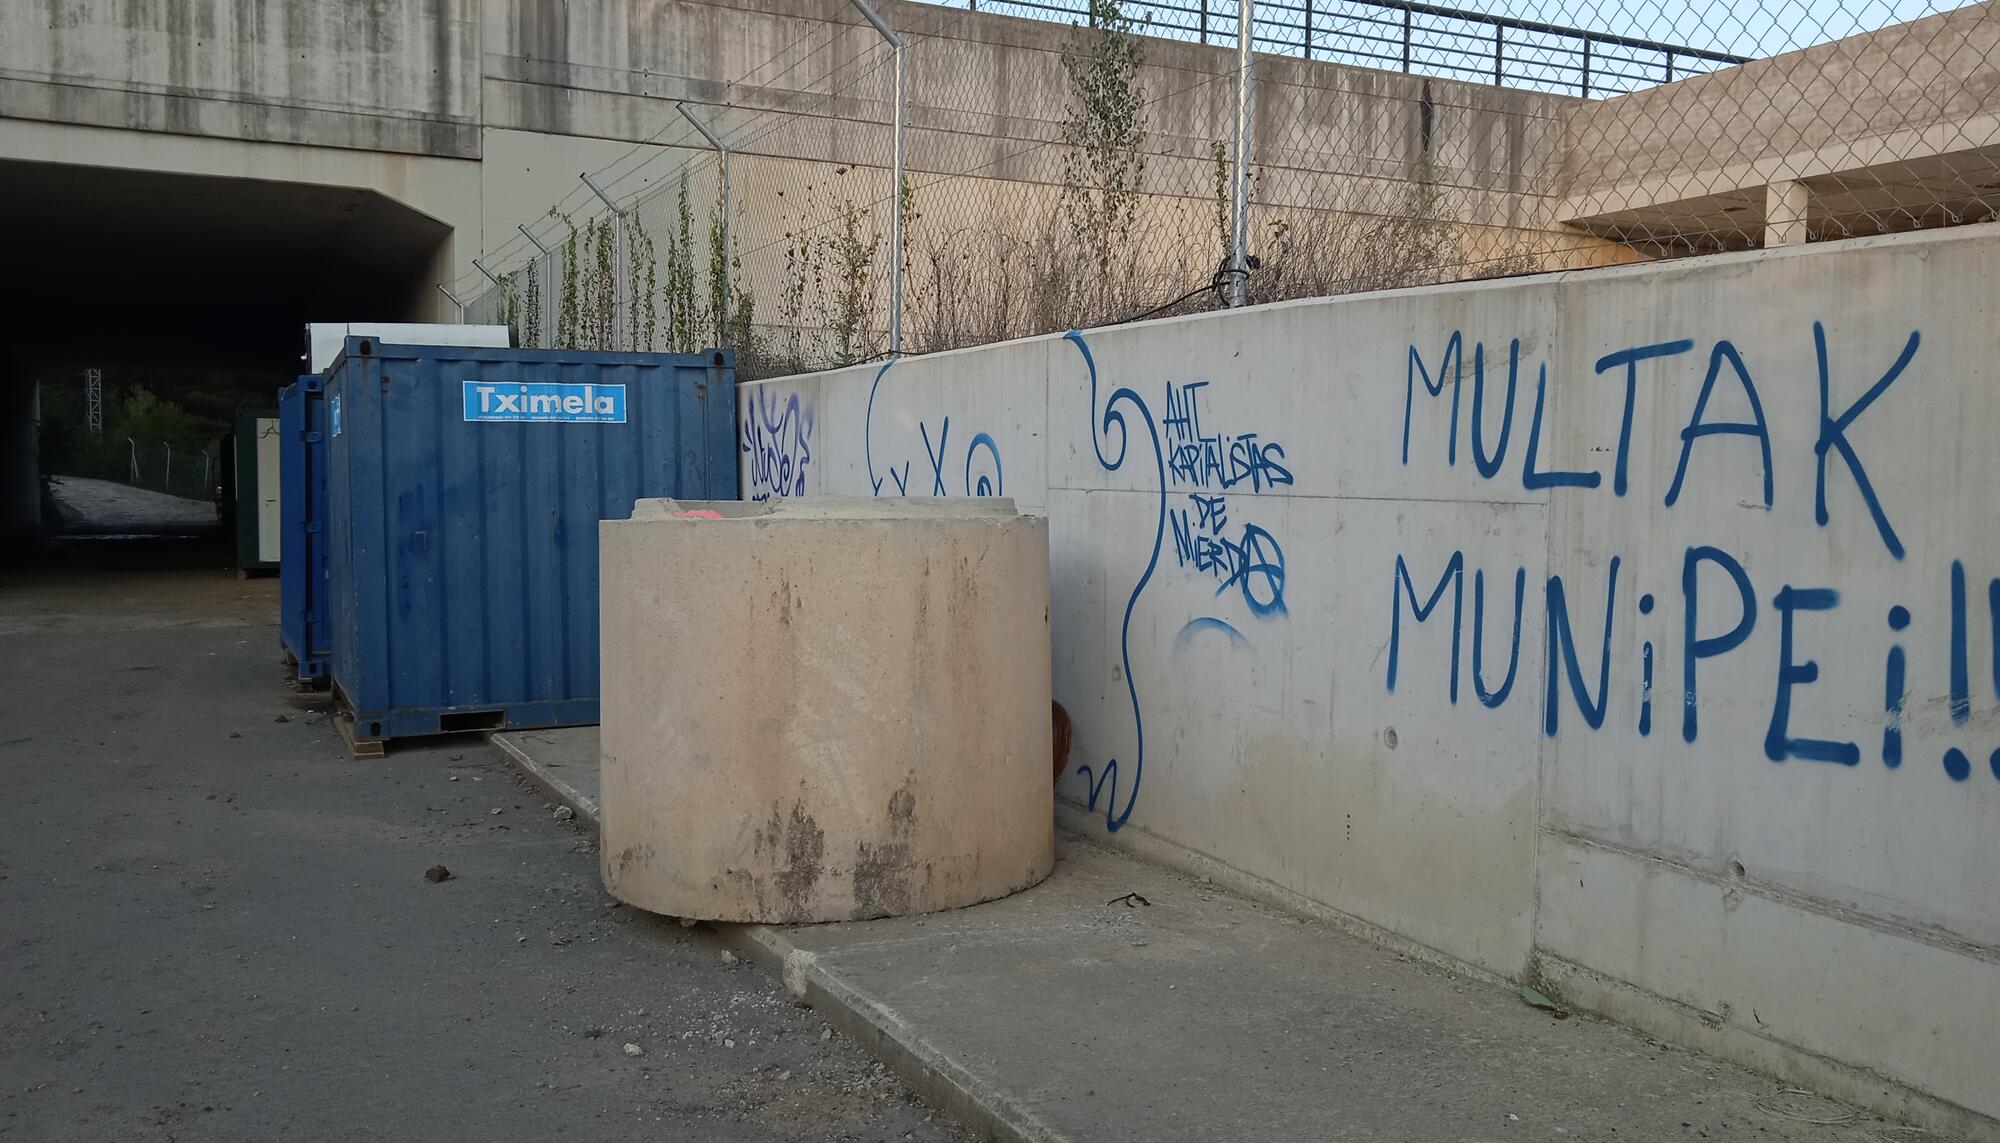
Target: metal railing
[[1420, 39]]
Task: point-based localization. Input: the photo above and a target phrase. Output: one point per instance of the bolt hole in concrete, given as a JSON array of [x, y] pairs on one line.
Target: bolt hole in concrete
[[1389, 737], [1736, 870]]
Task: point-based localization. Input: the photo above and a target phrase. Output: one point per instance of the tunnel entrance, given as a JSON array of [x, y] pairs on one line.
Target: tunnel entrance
[[187, 295]]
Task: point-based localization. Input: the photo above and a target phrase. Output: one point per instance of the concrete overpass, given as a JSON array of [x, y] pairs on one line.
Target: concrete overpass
[[186, 182], [183, 183]]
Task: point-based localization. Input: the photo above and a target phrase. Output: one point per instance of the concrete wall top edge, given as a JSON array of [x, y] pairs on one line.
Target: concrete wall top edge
[[1603, 274]]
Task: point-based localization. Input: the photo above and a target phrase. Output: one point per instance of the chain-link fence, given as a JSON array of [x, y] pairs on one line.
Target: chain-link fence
[[191, 473], [1069, 163]]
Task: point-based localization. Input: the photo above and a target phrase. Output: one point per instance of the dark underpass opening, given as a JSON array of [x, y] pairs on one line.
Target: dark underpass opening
[[141, 312]]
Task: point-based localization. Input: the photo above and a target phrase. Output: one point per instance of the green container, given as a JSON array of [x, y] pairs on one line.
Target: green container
[[251, 488]]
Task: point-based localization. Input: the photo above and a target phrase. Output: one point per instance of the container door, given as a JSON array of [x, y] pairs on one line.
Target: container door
[[292, 573], [313, 418]]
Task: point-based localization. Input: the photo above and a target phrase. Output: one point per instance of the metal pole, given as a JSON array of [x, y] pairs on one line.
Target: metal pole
[[896, 191], [93, 396], [1406, 40], [1239, 205], [530, 236], [1307, 38], [453, 298], [488, 273], [722, 150], [1586, 67], [1497, 28], [599, 192]]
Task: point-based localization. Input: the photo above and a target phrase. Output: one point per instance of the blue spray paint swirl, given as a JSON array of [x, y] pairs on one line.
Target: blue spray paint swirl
[[868, 437], [1100, 431]]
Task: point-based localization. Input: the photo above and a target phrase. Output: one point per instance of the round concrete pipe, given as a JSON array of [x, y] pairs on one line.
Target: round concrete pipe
[[824, 709]]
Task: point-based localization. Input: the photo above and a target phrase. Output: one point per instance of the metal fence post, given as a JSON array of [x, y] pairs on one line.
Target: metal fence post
[[1306, 37], [1239, 206], [452, 298], [1498, 52], [722, 162], [1586, 68], [1406, 40], [896, 190]]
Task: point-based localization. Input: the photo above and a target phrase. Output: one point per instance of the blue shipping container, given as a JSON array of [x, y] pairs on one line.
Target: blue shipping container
[[302, 620], [464, 490]]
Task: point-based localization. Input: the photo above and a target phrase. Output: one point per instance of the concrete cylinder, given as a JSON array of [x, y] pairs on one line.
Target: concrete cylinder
[[824, 709]]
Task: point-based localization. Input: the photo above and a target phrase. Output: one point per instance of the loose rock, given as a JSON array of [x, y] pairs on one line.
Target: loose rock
[[437, 873]]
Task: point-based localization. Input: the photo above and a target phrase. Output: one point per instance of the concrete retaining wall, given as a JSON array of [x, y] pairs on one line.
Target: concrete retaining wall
[[1544, 624]]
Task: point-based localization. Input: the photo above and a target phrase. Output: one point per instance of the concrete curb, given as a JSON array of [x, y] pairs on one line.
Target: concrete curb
[[584, 805], [943, 1082]]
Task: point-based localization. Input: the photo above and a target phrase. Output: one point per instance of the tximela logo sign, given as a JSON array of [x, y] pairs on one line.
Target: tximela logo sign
[[544, 401]]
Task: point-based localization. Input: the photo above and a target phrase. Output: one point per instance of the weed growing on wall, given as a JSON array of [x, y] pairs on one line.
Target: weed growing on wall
[[718, 272], [683, 316], [529, 332], [1101, 133], [510, 305], [1310, 253], [643, 317], [1219, 155], [801, 273], [853, 296], [603, 322], [569, 312]]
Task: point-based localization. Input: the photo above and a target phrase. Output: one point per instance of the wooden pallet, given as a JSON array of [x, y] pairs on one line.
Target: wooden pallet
[[357, 746]]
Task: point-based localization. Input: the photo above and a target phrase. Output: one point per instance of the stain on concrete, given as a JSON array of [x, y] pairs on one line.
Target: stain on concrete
[[882, 871], [743, 883], [630, 856], [805, 859]]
